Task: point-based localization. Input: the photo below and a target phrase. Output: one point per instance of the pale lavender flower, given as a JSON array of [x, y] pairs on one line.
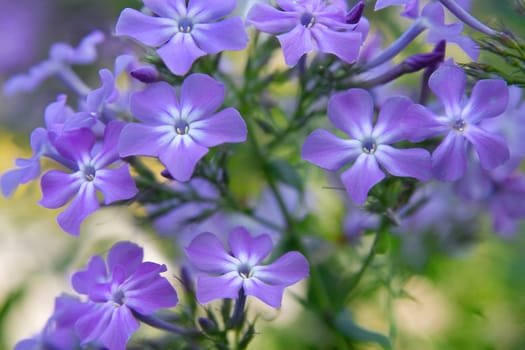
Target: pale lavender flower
[[224, 274], [185, 30], [460, 122], [118, 292], [180, 131], [500, 192], [310, 25], [411, 6], [369, 148], [61, 57], [511, 125], [90, 172]]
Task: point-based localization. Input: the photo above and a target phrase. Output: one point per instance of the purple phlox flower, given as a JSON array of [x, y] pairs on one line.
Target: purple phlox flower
[[511, 125], [435, 214], [99, 99], [309, 25], [118, 290], [460, 122], [411, 6], [500, 192], [185, 30], [27, 169], [93, 170], [433, 17], [369, 148], [180, 131], [224, 274], [59, 118], [59, 332], [435, 207], [125, 66], [61, 56], [357, 221]]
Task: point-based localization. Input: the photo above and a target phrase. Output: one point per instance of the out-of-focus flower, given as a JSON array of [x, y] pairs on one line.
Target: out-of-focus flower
[[353, 113], [460, 122], [180, 131], [511, 125], [184, 31], [225, 274], [499, 191], [22, 30], [91, 172], [61, 57], [411, 6], [126, 285], [308, 25], [59, 332]]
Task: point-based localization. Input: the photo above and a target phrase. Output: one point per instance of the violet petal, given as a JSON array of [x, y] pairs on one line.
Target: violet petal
[[248, 249], [352, 112], [227, 126], [288, 269], [361, 177], [218, 287], [328, 151], [411, 162], [449, 158]]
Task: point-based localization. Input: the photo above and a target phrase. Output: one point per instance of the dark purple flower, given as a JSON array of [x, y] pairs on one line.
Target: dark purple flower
[[126, 285], [185, 30], [353, 112], [224, 274], [460, 122], [91, 172], [180, 131], [61, 56], [307, 25]]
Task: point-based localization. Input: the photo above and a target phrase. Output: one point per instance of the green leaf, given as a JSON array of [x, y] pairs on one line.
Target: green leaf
[[352, 331]]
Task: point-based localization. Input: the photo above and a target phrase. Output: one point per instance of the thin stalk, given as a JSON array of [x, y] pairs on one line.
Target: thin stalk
[[467, 18]]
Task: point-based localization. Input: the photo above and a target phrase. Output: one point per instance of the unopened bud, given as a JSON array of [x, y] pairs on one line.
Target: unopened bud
[[145, 74], [354, 15]]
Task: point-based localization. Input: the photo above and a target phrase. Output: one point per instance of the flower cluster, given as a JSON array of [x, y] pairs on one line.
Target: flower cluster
[[247, 143]]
